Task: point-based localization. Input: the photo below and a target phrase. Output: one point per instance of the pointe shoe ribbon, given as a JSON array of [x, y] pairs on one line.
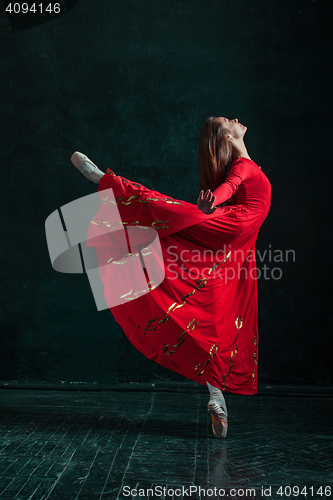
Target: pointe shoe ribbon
[[219, 416]]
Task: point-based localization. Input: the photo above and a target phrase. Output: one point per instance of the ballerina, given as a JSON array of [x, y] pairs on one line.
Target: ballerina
[[233, 203]]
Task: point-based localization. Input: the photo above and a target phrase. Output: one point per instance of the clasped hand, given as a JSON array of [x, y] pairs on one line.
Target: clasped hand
[[206, 201]]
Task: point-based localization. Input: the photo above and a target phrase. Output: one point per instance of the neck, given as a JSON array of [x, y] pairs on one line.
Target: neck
[[239, 149]]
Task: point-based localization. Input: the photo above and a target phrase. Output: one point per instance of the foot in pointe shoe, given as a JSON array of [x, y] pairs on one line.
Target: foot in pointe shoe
[[86, 167], [219, 416]]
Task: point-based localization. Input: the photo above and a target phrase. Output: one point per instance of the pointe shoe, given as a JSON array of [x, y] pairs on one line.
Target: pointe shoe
[[86, 167], [219, 416]]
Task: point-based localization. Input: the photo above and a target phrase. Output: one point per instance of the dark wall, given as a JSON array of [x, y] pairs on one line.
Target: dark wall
[[130, 83]]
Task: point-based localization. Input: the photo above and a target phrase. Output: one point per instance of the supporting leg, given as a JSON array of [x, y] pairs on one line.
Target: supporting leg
[[218, 410]]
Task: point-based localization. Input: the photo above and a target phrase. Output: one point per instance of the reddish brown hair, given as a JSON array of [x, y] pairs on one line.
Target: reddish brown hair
[[215, 154]]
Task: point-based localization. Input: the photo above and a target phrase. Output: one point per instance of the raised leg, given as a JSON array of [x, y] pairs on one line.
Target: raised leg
[[86, 167]]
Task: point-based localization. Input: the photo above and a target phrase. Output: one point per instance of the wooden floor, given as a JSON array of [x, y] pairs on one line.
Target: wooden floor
[[111, 445]]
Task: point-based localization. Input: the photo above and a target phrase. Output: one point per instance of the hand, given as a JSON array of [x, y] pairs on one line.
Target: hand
[[206, 201]]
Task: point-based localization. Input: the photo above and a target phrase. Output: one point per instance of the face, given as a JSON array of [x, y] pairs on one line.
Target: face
[[234, 128]]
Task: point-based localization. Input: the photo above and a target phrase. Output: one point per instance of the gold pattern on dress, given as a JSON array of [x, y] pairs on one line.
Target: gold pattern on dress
[[126, 255], [168, 200], [105, 200], [179, 305], [121, 261], [125, 296], [179, 343], [239, 322], [175, 306], [226, 258], [152, 288], [201, 283], [255, 339], [145, 254], [211, 355], [165, 319], [122, 178], [181, 336], [255, 357], [171, 307], [158, 221], [165, 348], [218, 264], [140, 291], [149, 329], [191, 323], [99, 222], [181, 340], [214, 267], [254, 376], [212, 348], [151, 321], [232, 360], [167, 353], [188, 294]]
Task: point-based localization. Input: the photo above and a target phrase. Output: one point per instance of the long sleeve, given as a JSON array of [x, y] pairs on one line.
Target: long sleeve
[[238, 173]]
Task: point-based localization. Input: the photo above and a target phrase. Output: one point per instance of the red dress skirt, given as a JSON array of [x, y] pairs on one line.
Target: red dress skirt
[[183, 284]]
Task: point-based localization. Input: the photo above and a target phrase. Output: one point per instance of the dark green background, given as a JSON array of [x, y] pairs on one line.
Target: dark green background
[[130, 83]]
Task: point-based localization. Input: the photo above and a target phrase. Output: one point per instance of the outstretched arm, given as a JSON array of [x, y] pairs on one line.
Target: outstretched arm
[[228, 188]]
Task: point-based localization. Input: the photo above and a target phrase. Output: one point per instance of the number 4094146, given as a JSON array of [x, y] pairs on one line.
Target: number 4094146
[[24, 8]]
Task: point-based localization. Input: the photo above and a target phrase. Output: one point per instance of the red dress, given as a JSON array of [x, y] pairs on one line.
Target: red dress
[[201, 320]]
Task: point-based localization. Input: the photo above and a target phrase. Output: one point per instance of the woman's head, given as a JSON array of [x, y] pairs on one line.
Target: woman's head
[[215, 149]]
